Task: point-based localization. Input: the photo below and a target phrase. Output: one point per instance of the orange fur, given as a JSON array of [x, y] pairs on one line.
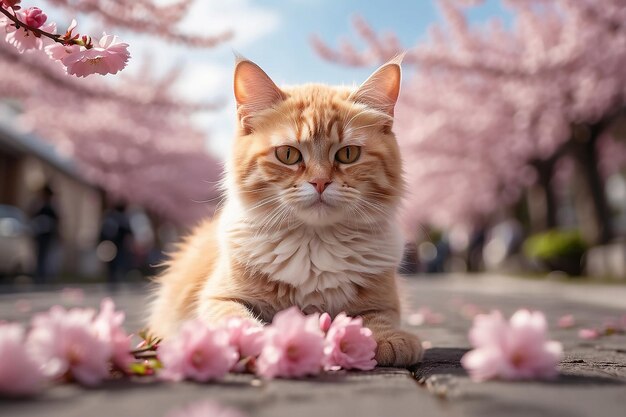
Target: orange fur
[[273, 244]]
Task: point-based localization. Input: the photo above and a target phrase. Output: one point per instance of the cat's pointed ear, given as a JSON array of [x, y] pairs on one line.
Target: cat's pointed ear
[[381, 90], [254, 90]]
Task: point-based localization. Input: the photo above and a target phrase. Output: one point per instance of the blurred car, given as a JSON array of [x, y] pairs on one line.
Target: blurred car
[[17, 249]]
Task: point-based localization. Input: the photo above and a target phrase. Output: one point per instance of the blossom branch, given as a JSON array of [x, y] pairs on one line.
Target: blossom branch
[[146, 17], [38, 32], [27, 30]]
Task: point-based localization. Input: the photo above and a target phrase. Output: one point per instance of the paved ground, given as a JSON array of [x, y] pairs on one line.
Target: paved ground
[[592, 380]]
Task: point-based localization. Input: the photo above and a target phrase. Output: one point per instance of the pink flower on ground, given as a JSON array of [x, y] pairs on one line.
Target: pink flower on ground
[[612, 325], [566, 322], [108, 327], [66, 343], [205, 409], [246, 336], [325, 322], [198, 352], [425, 315], [349, 345], [294, 346], [19, 373], [34, 17], [108, 56], [518, 349], [72, 295], [415, 319], [588, 334], [23, 39], [469, 311], [23, 306]]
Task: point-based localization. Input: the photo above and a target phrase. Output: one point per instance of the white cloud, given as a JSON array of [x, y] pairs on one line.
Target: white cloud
[[213, 79], [248, 22], [209, 81], [222, 130], [202, 80], [207, 75]]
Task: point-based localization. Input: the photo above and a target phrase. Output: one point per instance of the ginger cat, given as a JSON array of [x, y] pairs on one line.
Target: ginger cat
[[312, 191]]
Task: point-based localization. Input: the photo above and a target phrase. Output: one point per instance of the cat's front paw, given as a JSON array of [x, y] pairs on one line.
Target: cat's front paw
[[398, 348]]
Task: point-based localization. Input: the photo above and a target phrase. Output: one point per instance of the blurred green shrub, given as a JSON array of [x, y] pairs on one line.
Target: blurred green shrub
[[555, 244], [561, 250]]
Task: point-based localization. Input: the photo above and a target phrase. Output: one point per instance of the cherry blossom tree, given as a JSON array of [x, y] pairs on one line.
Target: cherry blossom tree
[[491, 109], [131, 135]]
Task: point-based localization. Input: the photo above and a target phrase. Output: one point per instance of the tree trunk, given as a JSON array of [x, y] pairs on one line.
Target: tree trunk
[[584, 147], [545, 172]]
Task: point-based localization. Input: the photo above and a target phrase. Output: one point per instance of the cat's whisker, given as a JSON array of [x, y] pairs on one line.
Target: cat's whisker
[[269, 220], [286, 216], [383, 212], [264, 202], [364, 205], [369, 221], [210, 200], [256, 190], [349, 123], [351, 129]]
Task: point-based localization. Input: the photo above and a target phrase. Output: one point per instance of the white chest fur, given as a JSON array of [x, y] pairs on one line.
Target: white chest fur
[[313, 259]]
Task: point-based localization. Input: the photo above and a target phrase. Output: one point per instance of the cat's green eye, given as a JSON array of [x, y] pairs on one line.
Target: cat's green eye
[[348, 154], [288, 155]]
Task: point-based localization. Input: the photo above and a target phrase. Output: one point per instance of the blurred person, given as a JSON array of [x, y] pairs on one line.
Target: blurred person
[[475, 249], [115, 242], [437, 265], [45, 225]]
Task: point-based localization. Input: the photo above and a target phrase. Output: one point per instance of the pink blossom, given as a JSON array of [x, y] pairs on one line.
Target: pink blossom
[[108, 327], [518, 349], [34, 17], [19, 373], [588, 334], [23, 39], [107, 57], [545, 53], [325, 322], [10, 3], [246, 336], [349, 345], [566, 322], [294, 346], [66, 343], [198, 352], [205, 408], [57, 52]]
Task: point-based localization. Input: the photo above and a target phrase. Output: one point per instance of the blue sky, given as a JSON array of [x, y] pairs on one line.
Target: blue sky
[[275, 34], [286, 53]]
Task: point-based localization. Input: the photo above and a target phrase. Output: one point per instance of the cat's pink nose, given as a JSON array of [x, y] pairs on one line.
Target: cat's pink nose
[[320, 184]]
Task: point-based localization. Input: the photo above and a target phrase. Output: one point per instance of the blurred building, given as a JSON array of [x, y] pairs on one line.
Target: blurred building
[[26, 166]]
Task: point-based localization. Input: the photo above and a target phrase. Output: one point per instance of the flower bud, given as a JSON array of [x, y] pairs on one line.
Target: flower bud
[[34, 17], [325, 321]]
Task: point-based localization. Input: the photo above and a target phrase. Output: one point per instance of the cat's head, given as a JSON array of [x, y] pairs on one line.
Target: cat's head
[[314, 153]]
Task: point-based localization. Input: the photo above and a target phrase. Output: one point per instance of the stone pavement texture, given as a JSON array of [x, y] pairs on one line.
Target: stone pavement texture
[[592, 380]]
